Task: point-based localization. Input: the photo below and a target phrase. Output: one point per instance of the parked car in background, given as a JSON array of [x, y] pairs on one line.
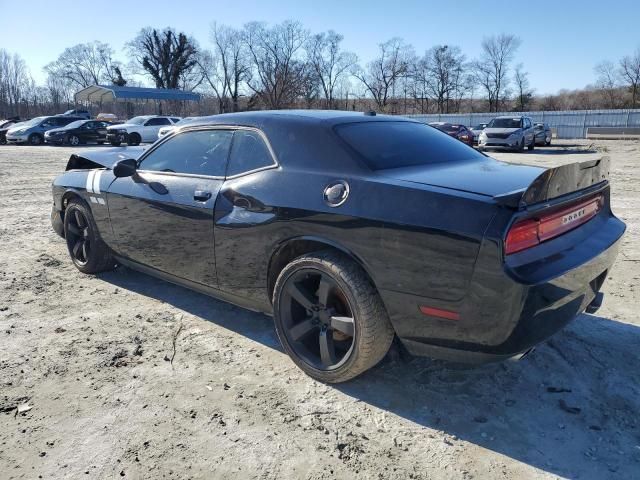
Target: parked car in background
[[455, 130], [77, 113], [139, 129], [476, 130], [350, 230], [543, 133], [513, 133], [5, 125], [107, 117], [81, 131], [164, 131], [32, 132]]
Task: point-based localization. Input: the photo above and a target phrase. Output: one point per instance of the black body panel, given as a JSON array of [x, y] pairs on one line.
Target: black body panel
[[429, 235]]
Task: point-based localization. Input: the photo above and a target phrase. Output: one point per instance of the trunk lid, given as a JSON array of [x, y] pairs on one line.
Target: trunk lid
[[509, 184], [485, 176]]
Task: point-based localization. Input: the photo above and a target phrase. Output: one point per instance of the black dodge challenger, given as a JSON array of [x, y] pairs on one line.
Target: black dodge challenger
[[350, 229]]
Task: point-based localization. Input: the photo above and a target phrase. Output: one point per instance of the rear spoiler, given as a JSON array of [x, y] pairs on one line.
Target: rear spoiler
[[558, 181]]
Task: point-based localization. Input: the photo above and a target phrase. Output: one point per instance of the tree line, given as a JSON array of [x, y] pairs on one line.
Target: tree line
[[262, 66]]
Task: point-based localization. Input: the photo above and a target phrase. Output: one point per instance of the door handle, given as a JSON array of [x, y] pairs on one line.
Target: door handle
[[201, 195]]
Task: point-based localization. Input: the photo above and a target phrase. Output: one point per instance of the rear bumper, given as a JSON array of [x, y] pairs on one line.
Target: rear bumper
[[509, 311]]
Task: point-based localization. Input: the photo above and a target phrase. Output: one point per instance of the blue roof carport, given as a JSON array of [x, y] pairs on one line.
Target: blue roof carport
[[114, 93]]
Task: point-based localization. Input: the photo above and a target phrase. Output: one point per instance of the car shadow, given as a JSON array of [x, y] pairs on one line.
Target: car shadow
[[569, 408]]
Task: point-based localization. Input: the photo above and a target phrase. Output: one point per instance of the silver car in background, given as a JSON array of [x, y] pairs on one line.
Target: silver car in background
[[543, 134], [477, 130], [513, 133]]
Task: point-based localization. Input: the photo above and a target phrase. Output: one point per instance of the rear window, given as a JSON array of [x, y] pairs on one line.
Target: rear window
[[385, 145]]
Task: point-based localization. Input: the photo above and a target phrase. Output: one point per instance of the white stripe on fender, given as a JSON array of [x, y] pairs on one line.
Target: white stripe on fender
[[93, 199], [96, 181], [89, 185], [101, 201]]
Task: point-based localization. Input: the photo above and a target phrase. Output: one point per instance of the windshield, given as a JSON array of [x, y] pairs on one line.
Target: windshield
[[480, 126], [137, 120], [385, 145], [447, 127], [505, 123], [76, 124], [32, 122]]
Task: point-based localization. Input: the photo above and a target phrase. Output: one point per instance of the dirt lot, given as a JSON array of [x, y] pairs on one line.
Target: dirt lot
[[91, 356]]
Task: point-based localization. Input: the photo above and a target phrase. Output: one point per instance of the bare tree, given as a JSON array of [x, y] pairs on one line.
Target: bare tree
[[383, 73], [15, 80], [630, 72], [441, 72], [329, 63], [85, 64], [523, 88], [226, 67], [608, 82], [167, 56], [278, 71], [492, 69]]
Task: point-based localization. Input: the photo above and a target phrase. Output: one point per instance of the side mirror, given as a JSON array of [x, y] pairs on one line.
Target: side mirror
[[125, 168]]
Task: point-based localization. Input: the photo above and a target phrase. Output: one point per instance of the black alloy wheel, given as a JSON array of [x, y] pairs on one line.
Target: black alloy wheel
[[329, 317], [78, 238], [317, 319], [87, 250]]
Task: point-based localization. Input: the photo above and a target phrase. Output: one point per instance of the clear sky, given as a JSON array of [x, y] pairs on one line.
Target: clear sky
[[561, 40]]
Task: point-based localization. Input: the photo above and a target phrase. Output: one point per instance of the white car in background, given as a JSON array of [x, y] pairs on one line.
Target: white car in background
[[164, 131], [139, 129]]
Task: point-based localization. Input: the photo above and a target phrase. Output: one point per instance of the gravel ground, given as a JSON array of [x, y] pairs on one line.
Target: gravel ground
[[130, 376]]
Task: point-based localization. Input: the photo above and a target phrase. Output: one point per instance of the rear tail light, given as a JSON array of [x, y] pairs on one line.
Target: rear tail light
[[533, 231]]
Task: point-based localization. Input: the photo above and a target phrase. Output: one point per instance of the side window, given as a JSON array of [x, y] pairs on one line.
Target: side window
[[248, 153], [154, 122], [202, 152], [175, 120]]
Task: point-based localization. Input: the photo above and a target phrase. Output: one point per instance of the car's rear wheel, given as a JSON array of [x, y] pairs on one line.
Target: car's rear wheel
[[100, 142], [532, 145], [35, 139], [87, 250], [547, 142], [329, 317], [134, 139], [115, 143], [74, 140]]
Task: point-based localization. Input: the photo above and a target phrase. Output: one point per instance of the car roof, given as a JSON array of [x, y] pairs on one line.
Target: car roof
[[300, 117]]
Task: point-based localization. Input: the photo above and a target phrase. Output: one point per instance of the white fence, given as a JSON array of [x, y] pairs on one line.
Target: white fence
[[567, 123]]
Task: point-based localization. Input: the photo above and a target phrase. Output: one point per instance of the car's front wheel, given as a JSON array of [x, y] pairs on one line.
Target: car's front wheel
[[35, 139], [87, 250], [134, 139], [74, 140], [329, 317]]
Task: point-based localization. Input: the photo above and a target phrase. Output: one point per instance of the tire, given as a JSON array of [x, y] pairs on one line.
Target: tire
[[115, 143], [532, 145], [521, 146], [73, 140], [547, 143], [35, 139], [352, 322], [134, 139], [87, 250], [100, 142]]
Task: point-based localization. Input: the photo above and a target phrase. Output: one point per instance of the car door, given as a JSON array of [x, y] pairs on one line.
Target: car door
[[86, 132], [529, 135], [162, 216], [152, 127]]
